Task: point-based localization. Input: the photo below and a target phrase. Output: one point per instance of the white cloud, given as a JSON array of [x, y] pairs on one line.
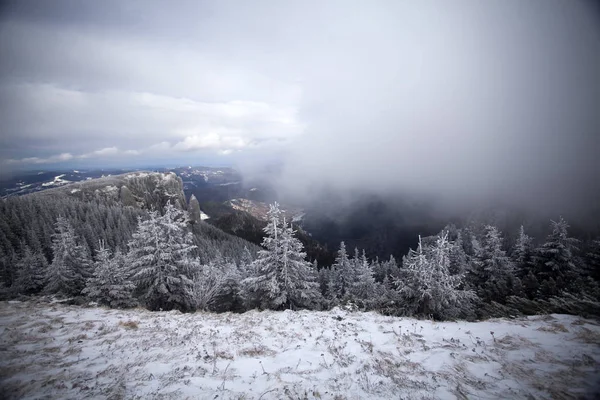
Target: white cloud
[[211, 141], [107, 151], [42, 160]]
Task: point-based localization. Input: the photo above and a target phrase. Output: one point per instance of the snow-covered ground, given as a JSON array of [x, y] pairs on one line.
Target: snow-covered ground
[[68, 352]]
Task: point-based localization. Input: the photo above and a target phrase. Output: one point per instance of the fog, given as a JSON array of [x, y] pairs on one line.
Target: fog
[[465, 102]]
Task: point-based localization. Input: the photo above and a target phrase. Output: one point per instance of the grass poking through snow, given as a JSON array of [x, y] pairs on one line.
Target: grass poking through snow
[[59, 351]]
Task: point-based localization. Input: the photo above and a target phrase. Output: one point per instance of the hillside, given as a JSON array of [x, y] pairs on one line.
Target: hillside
[[104, 209], [58, 351]]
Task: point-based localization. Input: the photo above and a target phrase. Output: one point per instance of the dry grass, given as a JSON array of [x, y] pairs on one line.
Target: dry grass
[[554, 327], [256, 351], [78, 338], [130, 324], [588, 336]]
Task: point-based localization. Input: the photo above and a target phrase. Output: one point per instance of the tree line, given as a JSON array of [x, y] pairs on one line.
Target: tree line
[[470, 272]]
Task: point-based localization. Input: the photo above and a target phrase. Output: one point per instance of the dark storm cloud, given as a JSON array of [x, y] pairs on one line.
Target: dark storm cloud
[[461, 100]]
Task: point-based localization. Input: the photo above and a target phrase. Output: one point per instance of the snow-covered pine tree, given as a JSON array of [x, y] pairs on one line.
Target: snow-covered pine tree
[[427, 287], [522, 253], [160, 260], [341, 276], [285, 279], [459, 261], [109, 285], [555, 260], [245, 264], [71, 265], [228, 297], [364, 291], [32, 269], [495, 270], [592, 258]]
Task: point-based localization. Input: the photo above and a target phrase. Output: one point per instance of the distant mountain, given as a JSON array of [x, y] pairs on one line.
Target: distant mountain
[[35, 181], [144, 190]]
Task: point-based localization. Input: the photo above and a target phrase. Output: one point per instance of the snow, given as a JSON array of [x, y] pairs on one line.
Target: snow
[[203, 216], [57, 181], [75, 191], [53, 350]]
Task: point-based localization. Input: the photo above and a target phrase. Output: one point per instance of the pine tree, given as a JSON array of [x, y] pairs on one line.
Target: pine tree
[[427, 287], [341, 276], [245, 264], [364, 289], [32, 269], [161, 264], [70, 266], [555, 259], [285, 279], [228, 297], [495, 270], [459, 260], [593, 259], [109, 285], [522, 253]]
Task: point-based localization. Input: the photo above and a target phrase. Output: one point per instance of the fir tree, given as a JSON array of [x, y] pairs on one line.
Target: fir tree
[[285, 279], [109, 285], [161, 264], [555, 259], [427, 287], [522, 253], [32, 269], [341, 277], [70, 266], [364, 289], [494, 269]]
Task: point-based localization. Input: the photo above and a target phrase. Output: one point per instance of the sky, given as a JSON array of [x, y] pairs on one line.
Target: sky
[[456, 99]]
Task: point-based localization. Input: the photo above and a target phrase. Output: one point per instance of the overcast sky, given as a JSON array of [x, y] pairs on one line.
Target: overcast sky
[[461, 96]]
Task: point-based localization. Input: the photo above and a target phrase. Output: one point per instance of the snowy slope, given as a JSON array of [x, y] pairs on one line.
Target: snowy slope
[[70, 352]]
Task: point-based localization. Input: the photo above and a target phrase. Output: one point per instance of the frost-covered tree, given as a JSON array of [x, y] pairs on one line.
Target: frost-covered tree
[[341, 276], [32, 270], [71, 265], [228, 297], [459, 261], [493, 269], [427, 287], [593, 259], [209, 282], [522, 253], [284, 278], [161, 263], [555, 260], [109, 285], [364, 290], [245, 264]]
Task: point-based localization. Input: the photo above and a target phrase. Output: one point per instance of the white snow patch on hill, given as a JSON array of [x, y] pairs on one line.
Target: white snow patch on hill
[[58, 181], [57, 351]]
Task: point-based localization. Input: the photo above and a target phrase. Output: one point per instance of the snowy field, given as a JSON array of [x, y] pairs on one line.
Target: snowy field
[[68, 352]]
